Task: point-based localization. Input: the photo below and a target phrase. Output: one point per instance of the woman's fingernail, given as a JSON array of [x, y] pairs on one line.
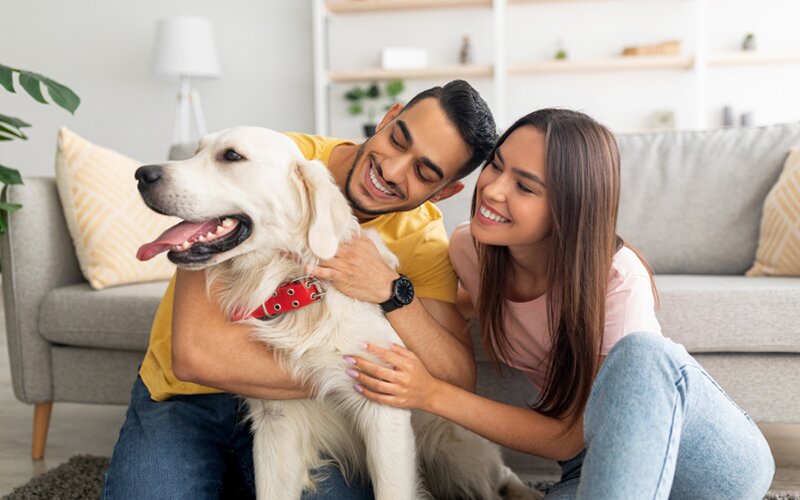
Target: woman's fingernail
[[362, 346], [352, 373], [359, 387], [350, 360]]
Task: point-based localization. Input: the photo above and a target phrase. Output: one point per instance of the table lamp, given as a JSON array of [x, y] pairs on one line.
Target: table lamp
[[185, 49]]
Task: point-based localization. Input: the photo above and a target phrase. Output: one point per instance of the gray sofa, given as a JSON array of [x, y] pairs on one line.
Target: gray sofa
[[691, 204]]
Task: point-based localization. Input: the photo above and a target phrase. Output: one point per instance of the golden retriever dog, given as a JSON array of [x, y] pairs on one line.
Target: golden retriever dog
[[256, 214]]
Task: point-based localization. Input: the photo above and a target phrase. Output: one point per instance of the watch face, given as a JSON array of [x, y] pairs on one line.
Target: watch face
[[404, 291]]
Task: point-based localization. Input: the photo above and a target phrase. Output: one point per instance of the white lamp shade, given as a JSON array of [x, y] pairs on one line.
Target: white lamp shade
[[185, 47]]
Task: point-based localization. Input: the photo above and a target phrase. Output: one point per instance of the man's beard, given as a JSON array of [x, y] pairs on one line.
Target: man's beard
[[348, 194]]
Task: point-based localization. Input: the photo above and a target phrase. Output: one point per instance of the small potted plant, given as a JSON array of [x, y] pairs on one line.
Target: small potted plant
[[366, 99]]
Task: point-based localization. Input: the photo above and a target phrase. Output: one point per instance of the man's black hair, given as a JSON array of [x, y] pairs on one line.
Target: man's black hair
[[470, 114]]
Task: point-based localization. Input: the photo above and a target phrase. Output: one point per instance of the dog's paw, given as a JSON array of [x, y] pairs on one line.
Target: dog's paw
[[515, 489]]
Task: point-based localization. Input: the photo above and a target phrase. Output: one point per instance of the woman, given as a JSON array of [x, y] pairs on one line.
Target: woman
[[628, 413]]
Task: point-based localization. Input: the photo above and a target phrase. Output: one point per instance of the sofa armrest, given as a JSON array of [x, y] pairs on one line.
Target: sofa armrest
[[37, 255]]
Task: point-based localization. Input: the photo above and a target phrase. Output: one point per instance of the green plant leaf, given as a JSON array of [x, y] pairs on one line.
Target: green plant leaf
[[15, 133], [10, 175], [62, 95], [355, 94], [356, 108], [32, 86], [9, 207], [373, 92], [14, 122], [5, 138], [6, 78], [395, 88]]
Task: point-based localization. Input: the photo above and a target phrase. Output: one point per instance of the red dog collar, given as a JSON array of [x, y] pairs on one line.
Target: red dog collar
[[289, 296]]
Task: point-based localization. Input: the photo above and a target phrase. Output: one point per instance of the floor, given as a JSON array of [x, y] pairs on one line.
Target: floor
[[92, 429]]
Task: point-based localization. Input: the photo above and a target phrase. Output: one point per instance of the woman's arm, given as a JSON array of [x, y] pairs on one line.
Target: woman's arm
[[209, 350], [427, 325], [409, 385], [464, 304]]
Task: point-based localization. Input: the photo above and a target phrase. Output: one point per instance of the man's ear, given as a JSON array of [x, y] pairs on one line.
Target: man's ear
[[451, 189], [390, 115], [330, 213]]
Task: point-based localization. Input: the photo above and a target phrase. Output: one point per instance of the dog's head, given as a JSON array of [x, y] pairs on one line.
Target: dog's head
[[246, 189]]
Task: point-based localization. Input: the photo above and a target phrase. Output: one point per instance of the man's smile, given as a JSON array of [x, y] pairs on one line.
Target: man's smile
[[375, 185]]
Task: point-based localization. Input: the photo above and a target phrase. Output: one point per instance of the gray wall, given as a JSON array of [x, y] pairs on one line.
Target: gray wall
[[103, 51]]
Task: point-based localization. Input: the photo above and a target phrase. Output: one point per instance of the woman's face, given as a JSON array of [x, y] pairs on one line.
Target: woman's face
[[511, 204]]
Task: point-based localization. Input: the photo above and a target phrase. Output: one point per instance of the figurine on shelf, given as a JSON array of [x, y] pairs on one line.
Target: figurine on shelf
[[561, 53], [664, 120], [749, 42], [727, 116], [465, 55], [670, 47]]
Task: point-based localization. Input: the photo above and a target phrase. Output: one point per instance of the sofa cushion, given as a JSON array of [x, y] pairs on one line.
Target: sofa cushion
[[105, 215], [779, 237], [723, 314], [114, 318], [692, 201], [730, 313]]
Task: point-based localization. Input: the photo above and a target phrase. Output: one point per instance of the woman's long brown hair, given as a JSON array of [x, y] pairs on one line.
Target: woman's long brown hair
[[583, 182]]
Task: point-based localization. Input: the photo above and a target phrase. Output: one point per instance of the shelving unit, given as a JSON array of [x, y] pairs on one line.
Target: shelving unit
[[755, 57], [362, 6], [500, 69], [378, 74], [607, 64]]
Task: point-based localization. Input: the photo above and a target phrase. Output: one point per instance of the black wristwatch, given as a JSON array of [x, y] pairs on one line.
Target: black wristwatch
[[402, 295]]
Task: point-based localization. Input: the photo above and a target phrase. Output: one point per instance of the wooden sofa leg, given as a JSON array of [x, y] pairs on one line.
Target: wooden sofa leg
[[41, 422]]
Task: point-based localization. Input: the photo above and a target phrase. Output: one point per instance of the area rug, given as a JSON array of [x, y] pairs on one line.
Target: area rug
[[82, 478]]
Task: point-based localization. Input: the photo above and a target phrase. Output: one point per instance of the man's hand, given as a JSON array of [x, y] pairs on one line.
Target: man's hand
[[358, 271]]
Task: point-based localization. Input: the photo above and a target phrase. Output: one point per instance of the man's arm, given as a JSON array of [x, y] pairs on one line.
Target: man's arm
[[209, 350]]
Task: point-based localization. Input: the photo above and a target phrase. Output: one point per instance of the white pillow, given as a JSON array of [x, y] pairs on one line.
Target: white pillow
[[106, 217]]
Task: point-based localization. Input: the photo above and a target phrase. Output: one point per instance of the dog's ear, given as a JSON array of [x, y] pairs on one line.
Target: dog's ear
[[330, 213]]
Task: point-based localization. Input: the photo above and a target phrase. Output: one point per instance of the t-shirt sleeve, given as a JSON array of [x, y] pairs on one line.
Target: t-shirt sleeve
[[630, 308], [431, 273]]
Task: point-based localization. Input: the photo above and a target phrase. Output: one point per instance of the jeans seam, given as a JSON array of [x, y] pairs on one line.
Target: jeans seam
[[669, 442]]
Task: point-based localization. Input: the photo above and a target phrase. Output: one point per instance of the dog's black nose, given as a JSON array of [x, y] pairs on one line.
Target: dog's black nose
[[148, 174]]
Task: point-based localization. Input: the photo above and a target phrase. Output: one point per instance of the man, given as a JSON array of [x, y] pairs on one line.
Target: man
[[183, 433]]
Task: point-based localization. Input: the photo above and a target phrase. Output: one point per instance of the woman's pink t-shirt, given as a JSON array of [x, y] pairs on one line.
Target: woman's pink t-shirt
[[630, 306]]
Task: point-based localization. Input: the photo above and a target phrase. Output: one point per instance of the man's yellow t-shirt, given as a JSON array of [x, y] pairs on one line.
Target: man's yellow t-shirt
[[417, 237]]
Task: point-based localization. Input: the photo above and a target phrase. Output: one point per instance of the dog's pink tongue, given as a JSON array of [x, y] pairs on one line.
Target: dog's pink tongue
[[173, 236]]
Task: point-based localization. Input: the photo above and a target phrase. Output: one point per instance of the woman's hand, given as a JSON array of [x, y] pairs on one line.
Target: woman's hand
[[406, 384]]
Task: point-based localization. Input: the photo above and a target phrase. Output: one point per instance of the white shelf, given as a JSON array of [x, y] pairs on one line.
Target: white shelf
[[467, 71], [743, 58], [361, 6], [499, 70], [605, 64]]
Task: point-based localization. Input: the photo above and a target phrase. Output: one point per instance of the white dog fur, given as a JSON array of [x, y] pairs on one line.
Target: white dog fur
[[299, 216]]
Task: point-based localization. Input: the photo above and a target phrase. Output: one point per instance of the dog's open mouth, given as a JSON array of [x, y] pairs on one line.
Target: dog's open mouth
[[195, 242]]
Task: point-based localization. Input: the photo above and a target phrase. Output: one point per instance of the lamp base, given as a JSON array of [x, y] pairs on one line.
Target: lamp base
[[188, 107]]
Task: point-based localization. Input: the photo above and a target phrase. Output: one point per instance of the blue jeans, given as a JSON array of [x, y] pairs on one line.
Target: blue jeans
[[657, 426], [194, 447]]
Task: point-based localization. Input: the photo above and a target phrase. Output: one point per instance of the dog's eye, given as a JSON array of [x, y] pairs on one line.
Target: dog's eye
[[231, 155]]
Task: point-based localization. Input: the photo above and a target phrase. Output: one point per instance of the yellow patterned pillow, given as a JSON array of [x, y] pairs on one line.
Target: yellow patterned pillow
[[779, 241], [106, 217]]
